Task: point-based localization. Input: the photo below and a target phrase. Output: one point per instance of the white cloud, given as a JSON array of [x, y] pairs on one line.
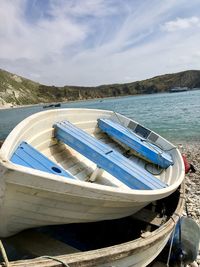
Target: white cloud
[[181, 24], [95, 42], [79, 8], [46, 38]]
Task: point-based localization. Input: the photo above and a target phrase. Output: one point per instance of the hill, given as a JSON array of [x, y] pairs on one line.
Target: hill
[[16, 90]]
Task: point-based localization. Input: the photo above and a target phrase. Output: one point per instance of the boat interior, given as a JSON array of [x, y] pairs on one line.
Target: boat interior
[[82, 150]]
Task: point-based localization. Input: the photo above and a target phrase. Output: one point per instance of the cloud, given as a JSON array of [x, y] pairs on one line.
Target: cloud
[[84, 8], [94, 42], [46, 37], [181, 24]]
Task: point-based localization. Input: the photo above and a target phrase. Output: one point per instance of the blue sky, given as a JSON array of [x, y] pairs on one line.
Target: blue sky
[[93, 42]]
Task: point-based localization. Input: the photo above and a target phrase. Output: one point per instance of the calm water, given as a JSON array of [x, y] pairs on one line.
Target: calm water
[[175, 116]]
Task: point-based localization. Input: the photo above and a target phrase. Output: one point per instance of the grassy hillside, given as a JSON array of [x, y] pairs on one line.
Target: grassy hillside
[[17, 90]]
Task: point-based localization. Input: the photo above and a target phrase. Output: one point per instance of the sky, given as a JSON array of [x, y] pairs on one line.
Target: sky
[[95, 42]]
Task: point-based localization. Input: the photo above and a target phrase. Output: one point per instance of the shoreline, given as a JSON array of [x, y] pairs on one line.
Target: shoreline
[[11, 106]]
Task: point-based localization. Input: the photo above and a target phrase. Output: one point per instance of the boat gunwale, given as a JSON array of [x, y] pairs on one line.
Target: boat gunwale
[[8, 166]]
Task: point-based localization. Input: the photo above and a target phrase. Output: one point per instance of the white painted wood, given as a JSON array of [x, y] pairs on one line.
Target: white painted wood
[[97, 172], [30, 198], [135, 253]]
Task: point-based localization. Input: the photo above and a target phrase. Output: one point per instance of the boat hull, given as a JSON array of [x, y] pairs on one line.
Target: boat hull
[[136, 253], [31, 198], [27, 202]]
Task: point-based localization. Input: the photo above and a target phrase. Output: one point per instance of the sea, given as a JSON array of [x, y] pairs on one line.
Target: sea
[[175, 116]]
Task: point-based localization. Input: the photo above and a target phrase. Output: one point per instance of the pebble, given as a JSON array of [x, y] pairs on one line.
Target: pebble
[[192, 182]]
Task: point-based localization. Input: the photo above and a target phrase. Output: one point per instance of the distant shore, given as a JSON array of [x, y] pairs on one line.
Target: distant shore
[[10, 106]]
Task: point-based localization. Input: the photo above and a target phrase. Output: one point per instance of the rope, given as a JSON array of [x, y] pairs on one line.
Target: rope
[[171, 243], [118, 118], [172, 240], [3, 253], [180, 244], [159, 170], [186, 209], [170, 248], [55, 259], [7, 264]]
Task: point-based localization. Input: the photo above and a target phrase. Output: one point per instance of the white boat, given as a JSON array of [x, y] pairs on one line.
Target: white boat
[[75, 165], [141, 248]]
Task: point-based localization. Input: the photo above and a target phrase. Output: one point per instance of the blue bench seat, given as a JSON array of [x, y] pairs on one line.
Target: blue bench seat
[[106, 158], [126, 136], [28, 156]]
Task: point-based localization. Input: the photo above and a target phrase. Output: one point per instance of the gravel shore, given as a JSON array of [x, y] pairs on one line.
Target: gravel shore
[[192, 180], [192, 186]]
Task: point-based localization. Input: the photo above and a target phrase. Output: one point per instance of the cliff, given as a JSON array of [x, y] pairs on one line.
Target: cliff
[[16, 90]]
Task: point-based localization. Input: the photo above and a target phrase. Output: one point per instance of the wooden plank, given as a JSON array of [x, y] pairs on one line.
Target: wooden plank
[[148, 216], [28, 156], [106, 157], [140, 145], [38, 244]]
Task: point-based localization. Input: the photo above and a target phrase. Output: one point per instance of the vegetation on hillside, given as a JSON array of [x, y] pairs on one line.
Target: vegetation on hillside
[[17, 90]]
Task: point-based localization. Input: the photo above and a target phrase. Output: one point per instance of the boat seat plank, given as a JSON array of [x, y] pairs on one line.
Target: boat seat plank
[[35, 243], [143, 147], [28, 156], [148, 216], [128, 172]]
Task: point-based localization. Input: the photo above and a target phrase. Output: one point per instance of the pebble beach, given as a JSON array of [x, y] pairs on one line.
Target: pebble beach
[[192, 180], [192, 186]]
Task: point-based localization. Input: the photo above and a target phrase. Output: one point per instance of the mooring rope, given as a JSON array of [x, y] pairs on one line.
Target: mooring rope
[[172, 239], [55, 259], [186, 209], [3, 253], [7, 264], [170, 248]]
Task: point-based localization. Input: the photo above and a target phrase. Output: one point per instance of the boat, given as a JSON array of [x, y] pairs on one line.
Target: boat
[[56, 105], [82, 165], [178, 89], [143, 237]]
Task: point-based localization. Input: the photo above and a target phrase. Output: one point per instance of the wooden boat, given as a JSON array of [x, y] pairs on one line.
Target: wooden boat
[[63, 166], [144, 236], [56, 105], [178, 89]]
